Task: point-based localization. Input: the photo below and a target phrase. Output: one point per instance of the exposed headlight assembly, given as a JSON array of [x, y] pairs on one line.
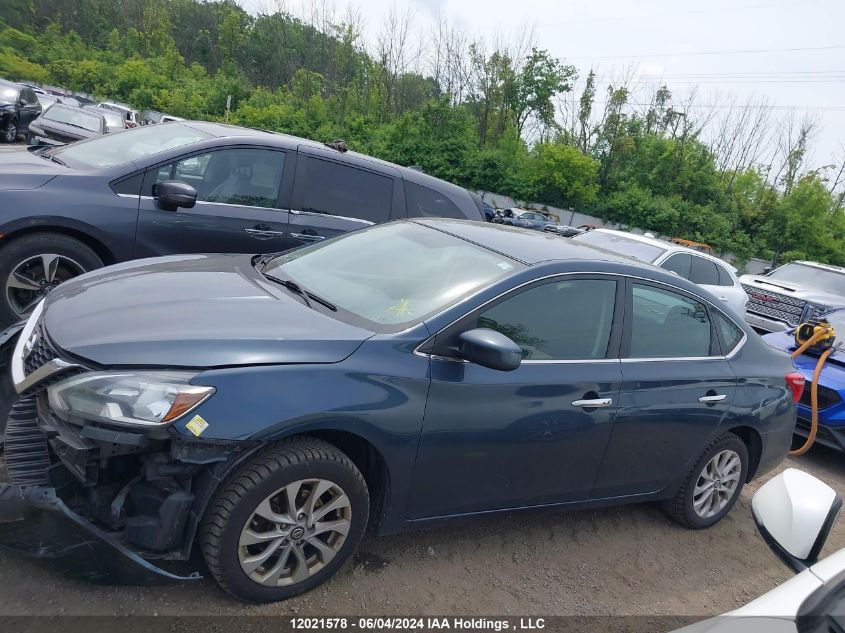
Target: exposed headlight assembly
[[154, 398]]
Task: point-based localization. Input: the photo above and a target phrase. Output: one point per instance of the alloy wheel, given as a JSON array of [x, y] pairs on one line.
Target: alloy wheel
[[11, 132], [34, 277], [717, 483], [295, 532]]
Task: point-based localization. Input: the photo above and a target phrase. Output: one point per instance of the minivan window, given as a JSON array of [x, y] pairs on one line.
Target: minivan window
[[424, 202], [116, 149], [666, 324], [392, 275], [560, 320], [337, 189], [704, 272], [248, 177]]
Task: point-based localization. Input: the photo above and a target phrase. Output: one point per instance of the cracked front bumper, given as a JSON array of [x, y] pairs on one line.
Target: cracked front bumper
[[36, 523]]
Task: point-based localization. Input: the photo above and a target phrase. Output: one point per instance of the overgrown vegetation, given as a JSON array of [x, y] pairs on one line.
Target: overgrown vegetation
[[505, 119]]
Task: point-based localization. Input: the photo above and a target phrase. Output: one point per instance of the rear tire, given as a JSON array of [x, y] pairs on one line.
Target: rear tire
[[706, 495], [41, 261], [260, 545]]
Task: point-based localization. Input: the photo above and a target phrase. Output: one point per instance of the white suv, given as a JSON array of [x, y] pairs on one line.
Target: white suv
[[709, 272]]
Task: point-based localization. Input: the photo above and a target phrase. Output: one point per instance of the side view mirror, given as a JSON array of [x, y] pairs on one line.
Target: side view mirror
[[767, 270], [794, 513], [490, 349], [172, 194]]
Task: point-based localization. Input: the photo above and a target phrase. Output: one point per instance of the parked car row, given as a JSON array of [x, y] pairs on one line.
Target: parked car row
[[190, 187], [23, 105]]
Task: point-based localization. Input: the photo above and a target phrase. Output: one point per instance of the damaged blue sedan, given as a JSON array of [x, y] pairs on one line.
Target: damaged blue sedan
[[267, 410]]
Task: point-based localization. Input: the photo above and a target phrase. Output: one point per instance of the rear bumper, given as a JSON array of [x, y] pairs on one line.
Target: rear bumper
[[36, 523]]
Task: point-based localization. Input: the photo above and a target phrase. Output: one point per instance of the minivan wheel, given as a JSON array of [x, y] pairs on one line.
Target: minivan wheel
[[10, 135], [713, 485], [33, 265], [286, 521]]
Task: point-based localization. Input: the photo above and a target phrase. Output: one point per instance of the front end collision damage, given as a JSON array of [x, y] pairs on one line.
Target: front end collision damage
[[109, 502]]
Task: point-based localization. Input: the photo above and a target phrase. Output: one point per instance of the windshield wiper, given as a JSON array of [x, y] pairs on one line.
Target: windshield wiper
[[306, 295]]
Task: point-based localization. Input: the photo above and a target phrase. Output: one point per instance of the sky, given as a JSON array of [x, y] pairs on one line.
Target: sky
[[717, 46]]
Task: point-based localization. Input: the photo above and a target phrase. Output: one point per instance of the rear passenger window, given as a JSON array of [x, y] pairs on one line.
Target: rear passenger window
[[424, 202], [704, 272], [337, 189], [725, 278], [729, 332], [666, 324], [678, 263]]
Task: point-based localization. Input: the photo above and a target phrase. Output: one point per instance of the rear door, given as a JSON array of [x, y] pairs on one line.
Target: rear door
[[242, 203], [333, 194], [30, 108], [676, 389]]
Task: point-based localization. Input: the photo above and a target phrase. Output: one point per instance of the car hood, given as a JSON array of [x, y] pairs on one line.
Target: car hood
[[191, 311], [25, 170], [791, 290], [806, 362]]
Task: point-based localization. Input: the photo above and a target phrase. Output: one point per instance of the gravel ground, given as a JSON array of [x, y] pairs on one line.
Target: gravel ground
[[629, 560]]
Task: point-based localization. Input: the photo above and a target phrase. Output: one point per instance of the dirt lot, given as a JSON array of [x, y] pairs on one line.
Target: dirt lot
[[619, 561]]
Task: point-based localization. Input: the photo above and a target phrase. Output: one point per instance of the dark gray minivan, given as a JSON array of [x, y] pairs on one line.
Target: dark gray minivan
[[192, 187]]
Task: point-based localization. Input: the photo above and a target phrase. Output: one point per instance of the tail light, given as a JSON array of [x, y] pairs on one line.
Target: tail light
[[795, 381]]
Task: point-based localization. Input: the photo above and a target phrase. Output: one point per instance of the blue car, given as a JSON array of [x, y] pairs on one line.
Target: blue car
[[831, 390], [266, 410]]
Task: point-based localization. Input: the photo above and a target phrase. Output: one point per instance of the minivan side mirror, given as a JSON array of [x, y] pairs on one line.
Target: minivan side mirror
[[490, 349], [794, 513], [172, 194]]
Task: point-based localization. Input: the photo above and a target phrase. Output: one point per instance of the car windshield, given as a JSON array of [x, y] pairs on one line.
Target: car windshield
[[810, 277], [394, 274], [621, 244], [111, 150], [72, 116]]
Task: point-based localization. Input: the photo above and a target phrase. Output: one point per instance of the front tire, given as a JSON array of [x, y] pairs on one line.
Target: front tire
[[33, 265], [10, 134], [286, 521], [712, 486]]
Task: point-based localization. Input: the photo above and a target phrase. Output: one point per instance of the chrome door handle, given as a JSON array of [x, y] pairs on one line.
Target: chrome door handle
[[263, 234], [308, 238], [712, 399], [593, 404]]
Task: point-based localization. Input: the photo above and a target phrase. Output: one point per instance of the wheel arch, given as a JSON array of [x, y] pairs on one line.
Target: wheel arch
[[81, 233], [753, 444], [361, 451]]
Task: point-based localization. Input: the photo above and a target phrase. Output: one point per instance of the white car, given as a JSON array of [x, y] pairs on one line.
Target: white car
[[709, 272], [794, 512]]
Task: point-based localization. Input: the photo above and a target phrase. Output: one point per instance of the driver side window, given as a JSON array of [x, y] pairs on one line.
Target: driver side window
[[560, 320], [248, 177]]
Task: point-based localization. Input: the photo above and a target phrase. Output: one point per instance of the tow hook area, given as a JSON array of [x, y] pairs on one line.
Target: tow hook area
[[36, 523]]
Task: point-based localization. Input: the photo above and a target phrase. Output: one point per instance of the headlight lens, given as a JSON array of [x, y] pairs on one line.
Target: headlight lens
[[149, 398]]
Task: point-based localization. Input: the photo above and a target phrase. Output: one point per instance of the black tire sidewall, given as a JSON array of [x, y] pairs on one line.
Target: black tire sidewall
[[245, 588], [22, 248], [729, 442], [9, 124]]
